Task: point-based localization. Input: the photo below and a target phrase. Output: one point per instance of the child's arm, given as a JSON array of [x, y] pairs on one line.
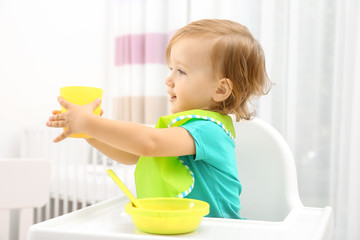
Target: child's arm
[[130, 137], [141, 140], [113, 153]]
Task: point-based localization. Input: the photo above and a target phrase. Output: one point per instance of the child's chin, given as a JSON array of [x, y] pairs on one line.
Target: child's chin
[[174, 110]]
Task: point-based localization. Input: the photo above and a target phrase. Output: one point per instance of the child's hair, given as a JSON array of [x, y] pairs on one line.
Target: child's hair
[[236, 55]]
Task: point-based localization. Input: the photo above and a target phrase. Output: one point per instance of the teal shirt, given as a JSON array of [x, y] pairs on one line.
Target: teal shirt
[[215, 169]]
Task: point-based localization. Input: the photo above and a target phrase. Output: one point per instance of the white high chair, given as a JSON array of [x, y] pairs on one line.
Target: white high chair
[[268, 175], [270, 201], [24, 184]]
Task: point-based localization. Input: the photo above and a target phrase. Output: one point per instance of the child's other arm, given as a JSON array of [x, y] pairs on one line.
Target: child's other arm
[[139, 139], [113, 153], [134, 138]]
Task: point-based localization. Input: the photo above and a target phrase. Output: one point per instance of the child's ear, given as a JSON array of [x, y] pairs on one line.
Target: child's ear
[[223, 90]]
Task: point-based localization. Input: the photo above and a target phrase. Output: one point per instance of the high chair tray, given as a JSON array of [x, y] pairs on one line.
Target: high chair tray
[[108, 220]]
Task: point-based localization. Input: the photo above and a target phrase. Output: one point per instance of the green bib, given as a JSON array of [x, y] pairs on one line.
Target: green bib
[[170, 176]]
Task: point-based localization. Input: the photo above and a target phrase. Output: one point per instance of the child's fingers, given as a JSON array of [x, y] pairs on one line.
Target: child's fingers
[[64, 103], [55, 124], [55, 112], [66, 133], [94, 104], [57, 117], [56, 121]]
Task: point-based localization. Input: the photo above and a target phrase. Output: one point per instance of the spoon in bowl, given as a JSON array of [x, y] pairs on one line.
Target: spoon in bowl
[[124, 188]]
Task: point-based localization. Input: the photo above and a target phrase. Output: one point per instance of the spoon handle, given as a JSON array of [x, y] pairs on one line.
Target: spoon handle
[[124, 188]]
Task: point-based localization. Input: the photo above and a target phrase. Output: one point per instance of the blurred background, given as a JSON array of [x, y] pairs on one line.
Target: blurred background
[[312, 50]]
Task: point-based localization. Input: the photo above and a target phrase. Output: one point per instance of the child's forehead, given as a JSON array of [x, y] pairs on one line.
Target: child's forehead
[[191, 47], [191, 44], [192, 54], [191, 50]]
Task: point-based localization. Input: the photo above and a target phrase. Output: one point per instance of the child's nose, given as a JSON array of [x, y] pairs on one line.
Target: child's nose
[[169, 82]]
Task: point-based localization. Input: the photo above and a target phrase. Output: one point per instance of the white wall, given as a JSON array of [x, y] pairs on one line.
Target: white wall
[[45, 45]]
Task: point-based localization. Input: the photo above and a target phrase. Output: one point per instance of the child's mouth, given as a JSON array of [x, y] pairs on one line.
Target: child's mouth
[[172, 98]]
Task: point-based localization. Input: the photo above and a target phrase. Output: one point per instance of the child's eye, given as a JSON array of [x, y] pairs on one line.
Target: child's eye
[[181, 72]]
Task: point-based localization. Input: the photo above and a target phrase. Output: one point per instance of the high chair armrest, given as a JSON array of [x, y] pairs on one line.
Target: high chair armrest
[[317, 221]]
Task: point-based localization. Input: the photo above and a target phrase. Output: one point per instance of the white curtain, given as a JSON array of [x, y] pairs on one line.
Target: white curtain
[[312, 50], [345, 121]]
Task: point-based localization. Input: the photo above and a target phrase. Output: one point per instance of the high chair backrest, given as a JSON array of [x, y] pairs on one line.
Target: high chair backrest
[[266, 171], [24, 184]]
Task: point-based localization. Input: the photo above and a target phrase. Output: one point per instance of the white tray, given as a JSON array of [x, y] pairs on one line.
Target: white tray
[[108, 220]]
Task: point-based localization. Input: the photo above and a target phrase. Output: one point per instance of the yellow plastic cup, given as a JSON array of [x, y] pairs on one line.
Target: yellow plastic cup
[[168, 215], [81, 95]]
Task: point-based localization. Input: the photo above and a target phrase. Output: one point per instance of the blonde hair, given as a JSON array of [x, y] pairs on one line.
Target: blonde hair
[[236, 55]]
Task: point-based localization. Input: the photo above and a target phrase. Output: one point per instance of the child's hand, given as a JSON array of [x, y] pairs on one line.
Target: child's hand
[[74, 119]]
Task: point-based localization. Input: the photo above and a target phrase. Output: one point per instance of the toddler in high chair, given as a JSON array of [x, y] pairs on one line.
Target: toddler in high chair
[[216, 68]]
